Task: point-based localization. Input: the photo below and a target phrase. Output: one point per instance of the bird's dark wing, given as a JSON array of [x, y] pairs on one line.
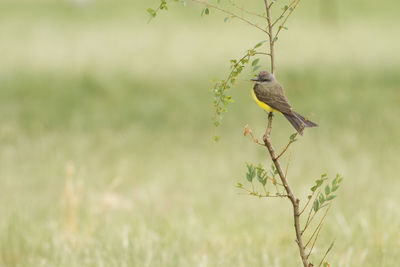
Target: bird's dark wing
[[272, 94]]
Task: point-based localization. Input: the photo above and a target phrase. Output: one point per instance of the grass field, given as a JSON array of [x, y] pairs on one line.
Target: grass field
[[106, 151]]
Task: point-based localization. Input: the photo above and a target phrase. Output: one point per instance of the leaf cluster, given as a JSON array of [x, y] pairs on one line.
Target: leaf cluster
[[262, 175], [163, 6], [327, 194], [221, 99]]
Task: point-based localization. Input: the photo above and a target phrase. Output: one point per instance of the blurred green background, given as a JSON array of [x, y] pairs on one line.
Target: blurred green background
[[107, 156]]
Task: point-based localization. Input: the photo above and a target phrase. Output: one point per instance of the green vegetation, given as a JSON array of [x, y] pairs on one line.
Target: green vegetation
[[106, 135]]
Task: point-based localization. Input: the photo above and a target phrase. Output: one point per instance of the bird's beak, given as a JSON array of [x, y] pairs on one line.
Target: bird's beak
[[254, 79]]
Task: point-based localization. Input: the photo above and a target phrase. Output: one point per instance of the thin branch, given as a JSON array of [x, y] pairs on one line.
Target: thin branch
[[309, 220], [309, 213], [319, 225], [326, 253], [270, 35], [286, 148], [315, 240], [283, 13], [272, 2], [247, 131], [292, 140], [262, 53], [254, 193], [274, 181], [203, 2], [287, 166], [287, 17], [245, 10], [227, 79], [308, 202]]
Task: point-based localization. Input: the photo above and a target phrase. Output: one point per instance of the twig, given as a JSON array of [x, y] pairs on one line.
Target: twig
[[309, 220], [315, 240], [292, 140], [287, 17], [326, 253], [283, 13], [287, 165], [319, 225], [309, 213], [247, 131], [271, 4], [203, 2], [254, 193], [308, 202], [270, 35], [262, 53], [286, 148], [227, 79], [244, 10]]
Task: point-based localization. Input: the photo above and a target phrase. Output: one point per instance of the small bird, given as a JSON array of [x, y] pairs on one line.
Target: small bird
[[268, 94]]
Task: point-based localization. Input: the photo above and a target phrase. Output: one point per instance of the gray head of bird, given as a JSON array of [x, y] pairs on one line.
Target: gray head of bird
[[264, 76]]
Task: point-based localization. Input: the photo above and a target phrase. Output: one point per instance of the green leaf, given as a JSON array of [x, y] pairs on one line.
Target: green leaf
[[239, 185], [226, 19], [256, 68], [152, 12], [260, 43], [251, 172], [206, 11], [334, 188], [323, 175], [327, 189], [261, 175], [314, 188], [216, 138], [316, 205], [250, 176], [255, 62], [275, 39], [321, 199], [330, 197], [309, 196], [292, 137]]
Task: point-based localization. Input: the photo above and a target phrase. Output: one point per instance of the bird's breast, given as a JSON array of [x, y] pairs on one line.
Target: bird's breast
[[262, 104]]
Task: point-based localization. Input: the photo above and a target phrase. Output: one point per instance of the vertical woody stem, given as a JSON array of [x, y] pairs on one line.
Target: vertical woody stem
[[267, 141], [270, 35], [295, 201]]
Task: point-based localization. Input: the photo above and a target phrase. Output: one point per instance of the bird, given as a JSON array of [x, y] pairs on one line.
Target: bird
[[269, 95]]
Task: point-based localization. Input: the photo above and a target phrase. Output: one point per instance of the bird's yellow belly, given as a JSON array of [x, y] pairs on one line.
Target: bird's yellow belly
[[262, 104]]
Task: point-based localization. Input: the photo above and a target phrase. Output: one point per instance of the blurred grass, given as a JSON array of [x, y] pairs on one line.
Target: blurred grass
[[106, 154]]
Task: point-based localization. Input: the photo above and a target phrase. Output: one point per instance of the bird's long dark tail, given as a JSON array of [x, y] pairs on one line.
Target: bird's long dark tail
[[299, 122]]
